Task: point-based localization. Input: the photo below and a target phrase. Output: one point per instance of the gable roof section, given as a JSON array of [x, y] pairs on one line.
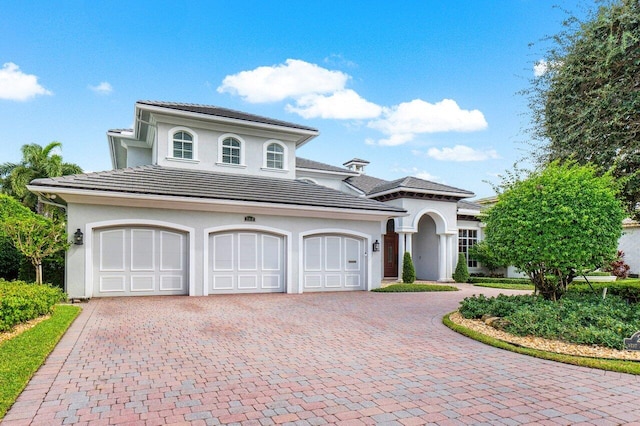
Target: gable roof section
[[304, 163], [414, 184], [224, 112], [365, 183], [198, 184]]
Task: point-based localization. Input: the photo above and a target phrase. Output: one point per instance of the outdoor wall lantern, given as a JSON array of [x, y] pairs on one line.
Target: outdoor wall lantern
[[376, 246], [78, 237]]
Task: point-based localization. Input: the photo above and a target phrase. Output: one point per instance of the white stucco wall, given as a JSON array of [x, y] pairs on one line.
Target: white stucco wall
[[425, 250], [630, 244], [206, 154], [83, 215]]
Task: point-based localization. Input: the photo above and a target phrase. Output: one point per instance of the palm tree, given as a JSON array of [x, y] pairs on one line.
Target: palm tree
[[37, 162]]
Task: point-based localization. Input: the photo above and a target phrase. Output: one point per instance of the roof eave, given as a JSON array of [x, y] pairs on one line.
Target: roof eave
[[305, 134], [421, 191], [329, 172], [181, 200]]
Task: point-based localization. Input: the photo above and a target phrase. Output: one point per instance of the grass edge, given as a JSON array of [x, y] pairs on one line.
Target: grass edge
[[59, 322]]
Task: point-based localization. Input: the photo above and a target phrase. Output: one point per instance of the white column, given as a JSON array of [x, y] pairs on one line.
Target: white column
[[451, 257], [401, 250], [409, 240], [442, 258]]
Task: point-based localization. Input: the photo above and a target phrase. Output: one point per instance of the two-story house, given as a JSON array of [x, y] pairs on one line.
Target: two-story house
[[206, 200]]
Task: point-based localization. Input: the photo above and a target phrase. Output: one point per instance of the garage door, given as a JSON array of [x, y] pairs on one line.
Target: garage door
[[138, 261], [246, 262], [333, 263]]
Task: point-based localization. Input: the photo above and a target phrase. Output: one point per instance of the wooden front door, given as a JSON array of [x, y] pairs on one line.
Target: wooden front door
[[391, 255]]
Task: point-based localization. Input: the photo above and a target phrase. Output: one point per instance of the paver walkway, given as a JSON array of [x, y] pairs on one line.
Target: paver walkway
[[338, 358]]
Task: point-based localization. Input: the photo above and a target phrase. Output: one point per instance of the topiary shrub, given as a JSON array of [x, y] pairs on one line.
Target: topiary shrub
[[461, 275], [408, 271]]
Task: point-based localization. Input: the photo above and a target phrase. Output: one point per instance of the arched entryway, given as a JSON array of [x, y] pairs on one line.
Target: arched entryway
[[425, 247]]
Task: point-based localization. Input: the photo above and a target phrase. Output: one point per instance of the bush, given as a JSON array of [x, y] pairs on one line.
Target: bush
[[414, 288], [9, 259], [408, 271], [576, 318], [461, 274], [618, 267], [628, 289], [21, 302]]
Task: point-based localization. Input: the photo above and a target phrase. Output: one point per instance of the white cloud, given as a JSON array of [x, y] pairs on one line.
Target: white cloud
[[104, 88], [293, 79], [414, 171], [343, 104], [462, 153], [427, 176], [18, 86], [540, 68], [402, 122]]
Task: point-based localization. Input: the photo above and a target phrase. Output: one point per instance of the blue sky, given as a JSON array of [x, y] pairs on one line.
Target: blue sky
[[424, 88]]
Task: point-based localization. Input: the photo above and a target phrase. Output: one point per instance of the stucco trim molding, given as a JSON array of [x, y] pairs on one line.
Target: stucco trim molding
[[243, 227], [442, 227], [88, 244], [338, 231]]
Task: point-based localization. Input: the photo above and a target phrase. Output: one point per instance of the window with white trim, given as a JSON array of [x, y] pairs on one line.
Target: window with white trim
[[183, 145], [231, 151], [275, 156], [466, 239]]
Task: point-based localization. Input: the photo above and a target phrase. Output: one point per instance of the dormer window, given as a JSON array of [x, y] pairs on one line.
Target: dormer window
[[183, 145], [275, 156], [231, 151]]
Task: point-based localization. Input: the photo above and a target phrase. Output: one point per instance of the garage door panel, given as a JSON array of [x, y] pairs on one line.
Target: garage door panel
[[271, 253], [223, 282], [333, 253], [113, 283], [139, 261], [171, 250], [247, 252], [353, 248], [313, 254], [333, 263], [112, 247], [223, 249], [171, 282], [256, 266], [143, 283], [142, 250]]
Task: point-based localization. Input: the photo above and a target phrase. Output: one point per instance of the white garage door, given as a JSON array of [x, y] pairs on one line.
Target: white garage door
[[246, 262], [138, 261], [333, 263]]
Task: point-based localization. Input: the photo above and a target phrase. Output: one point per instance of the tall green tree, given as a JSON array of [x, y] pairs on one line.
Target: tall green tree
[[556, 223], [37, 162], [586, 99]]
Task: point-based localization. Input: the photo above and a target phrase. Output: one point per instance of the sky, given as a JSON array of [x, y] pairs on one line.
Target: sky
[[423, 88]]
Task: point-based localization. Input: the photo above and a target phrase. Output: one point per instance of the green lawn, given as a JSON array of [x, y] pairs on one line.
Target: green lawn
[[407, 288], [507, 286], [21, 356], [630, 367]]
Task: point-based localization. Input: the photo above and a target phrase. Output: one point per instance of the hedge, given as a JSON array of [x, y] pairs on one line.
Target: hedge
[[474, 280], [626, 289], [21, 302]]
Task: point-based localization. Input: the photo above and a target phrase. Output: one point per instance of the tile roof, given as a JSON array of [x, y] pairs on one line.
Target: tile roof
[[224, 112], [304, 163], [469, 205], [365, 183], [168, 181], [411, 182]]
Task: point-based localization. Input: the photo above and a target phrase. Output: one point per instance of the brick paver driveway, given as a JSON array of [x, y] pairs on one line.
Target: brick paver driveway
[[347, 358]]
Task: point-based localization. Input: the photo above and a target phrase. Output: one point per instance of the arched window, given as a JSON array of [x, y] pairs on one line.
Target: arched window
[[183, 145], [275, 156], [231, 151]]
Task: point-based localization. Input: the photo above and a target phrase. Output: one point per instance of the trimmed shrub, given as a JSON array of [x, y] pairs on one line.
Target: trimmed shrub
[[576, 318], [408, 271], [628, 289], [461, 275], [21, 302]]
